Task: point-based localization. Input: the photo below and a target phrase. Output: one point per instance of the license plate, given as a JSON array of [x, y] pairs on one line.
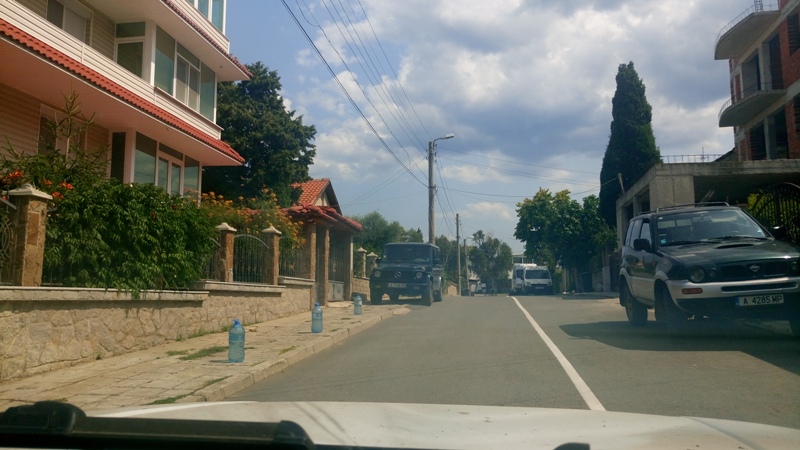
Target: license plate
[[397, 285], [757, 300]]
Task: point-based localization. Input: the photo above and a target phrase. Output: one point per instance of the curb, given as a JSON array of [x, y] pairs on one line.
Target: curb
[[260, 372]]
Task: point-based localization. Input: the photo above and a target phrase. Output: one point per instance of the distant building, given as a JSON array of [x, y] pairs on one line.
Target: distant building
[[146, 71]]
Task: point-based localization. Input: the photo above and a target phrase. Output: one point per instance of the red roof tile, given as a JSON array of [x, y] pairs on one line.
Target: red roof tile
[[312, 190], [326, 213], [113, 88]]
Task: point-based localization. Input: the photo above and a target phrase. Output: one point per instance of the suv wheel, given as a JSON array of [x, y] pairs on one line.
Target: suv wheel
[[375, 297], [427, 294], [677, 320], [636, 312]]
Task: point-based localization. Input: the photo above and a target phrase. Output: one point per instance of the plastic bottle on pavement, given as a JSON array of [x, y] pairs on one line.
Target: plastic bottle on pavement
[[357, 305], [236, 342], [316, 319]]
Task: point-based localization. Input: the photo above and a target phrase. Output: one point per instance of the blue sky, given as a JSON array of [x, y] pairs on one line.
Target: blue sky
[[525, 86]]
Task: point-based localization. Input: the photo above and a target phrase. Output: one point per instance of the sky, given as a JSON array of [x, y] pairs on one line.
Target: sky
[[525, 87]]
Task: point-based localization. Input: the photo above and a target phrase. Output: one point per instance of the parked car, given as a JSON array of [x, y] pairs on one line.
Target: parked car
[[707, 262], [409, 269]]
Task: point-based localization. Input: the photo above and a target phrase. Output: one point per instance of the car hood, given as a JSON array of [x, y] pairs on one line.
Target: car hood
[[722, 252], [464, 427]]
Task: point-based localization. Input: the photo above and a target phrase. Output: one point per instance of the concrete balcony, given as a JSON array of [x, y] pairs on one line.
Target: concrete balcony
[[743, 31], [753, 102]]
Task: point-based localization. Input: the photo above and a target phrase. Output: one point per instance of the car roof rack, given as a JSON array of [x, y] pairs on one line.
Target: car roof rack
[[692, 205]]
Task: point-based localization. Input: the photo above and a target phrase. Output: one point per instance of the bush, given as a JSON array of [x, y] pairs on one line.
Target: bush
[[132, 237]]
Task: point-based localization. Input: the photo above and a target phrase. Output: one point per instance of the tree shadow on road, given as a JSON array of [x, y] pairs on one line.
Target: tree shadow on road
[[781, 350]]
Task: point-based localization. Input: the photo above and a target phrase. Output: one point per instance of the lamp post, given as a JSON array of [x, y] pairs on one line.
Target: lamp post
[[432, 186]]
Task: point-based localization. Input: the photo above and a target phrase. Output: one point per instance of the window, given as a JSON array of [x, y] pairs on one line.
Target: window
[[70, 16], [144, 161], [214, 10], [180, 73], [130, 46], [163, 166], [645, 234], [165, 61], [187, 78], [191, 177], [793, 28]]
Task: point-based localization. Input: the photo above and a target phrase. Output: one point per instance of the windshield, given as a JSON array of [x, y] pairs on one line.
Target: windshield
[[537, 274], [507, 205], [698, 226], [406, 253]]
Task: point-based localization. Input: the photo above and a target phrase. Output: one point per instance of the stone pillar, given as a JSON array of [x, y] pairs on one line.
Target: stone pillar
[[371, 258], [225, 253], [310, 259], [361, 262], [27, 255], [348, 280], [273, 238], [324, 240]]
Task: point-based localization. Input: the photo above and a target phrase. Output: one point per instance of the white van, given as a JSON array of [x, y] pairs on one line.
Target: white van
[[530, 279], [538, 280]]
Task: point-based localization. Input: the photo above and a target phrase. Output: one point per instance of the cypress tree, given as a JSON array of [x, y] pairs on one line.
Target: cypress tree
[[631, 149]]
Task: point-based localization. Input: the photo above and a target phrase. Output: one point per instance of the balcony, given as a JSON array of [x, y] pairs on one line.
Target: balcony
[[754, 101], [743, 31]]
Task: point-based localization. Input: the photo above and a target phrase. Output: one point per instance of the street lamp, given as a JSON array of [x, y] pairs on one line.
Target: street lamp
[[431, 186]]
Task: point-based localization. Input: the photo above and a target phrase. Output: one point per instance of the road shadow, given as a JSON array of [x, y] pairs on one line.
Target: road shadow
[[781, 350]]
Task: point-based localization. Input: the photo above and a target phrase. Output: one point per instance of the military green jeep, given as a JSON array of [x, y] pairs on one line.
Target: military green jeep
[[408, 269]]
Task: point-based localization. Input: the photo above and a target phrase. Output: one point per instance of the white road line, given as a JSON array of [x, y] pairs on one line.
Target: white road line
[[588, 396]]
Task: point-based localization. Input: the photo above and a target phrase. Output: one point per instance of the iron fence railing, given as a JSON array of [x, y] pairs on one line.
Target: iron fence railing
[[701, 158], [758, 6], [292, 263], [748, 92], [250, 257]]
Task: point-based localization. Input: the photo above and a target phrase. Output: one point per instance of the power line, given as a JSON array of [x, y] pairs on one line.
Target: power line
[[347, 94]]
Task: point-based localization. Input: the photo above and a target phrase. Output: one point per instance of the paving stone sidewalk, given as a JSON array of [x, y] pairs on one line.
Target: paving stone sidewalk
[[196, 369]]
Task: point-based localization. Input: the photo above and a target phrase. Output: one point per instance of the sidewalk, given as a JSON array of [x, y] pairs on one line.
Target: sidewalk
[[196, 369]]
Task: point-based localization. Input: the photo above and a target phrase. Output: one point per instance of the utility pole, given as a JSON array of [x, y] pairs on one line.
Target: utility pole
[[431, 189], [458, 254], [432, 186]]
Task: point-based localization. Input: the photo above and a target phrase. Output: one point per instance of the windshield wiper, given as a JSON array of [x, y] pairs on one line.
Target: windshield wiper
[[62, 425]]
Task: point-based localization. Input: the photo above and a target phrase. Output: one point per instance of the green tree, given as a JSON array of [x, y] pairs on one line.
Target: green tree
[[378, 231], [554, 227], [631, 149], [450, 254], [275, 144], [491, 260]]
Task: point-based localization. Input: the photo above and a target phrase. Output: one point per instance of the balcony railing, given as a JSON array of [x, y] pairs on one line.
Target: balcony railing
[[702, 158], [750, 92], [751, 10]]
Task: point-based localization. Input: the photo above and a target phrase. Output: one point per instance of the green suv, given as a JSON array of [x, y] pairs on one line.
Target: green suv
[[407, 269], [702, 262]]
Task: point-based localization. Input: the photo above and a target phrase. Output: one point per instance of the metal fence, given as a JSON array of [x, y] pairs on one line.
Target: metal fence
[[292, 263], [212, 266], [6, 242], [250, 256], [702, 158]]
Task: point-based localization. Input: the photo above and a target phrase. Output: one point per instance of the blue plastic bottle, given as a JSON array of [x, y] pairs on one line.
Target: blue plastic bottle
[[357, 305], [316, 319], [236, 342]]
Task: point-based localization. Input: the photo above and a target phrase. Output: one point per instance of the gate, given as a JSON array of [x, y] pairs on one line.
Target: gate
[[777, 205], [6, 242], [249, 259]]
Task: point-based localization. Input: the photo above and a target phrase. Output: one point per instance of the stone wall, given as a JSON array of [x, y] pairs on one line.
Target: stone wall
[[361, 287], [43, 329]]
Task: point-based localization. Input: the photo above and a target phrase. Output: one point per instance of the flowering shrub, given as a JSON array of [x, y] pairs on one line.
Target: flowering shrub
[[251, 215]]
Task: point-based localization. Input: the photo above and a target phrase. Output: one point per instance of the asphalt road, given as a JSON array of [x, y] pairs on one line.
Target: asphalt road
[[487, 351]]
